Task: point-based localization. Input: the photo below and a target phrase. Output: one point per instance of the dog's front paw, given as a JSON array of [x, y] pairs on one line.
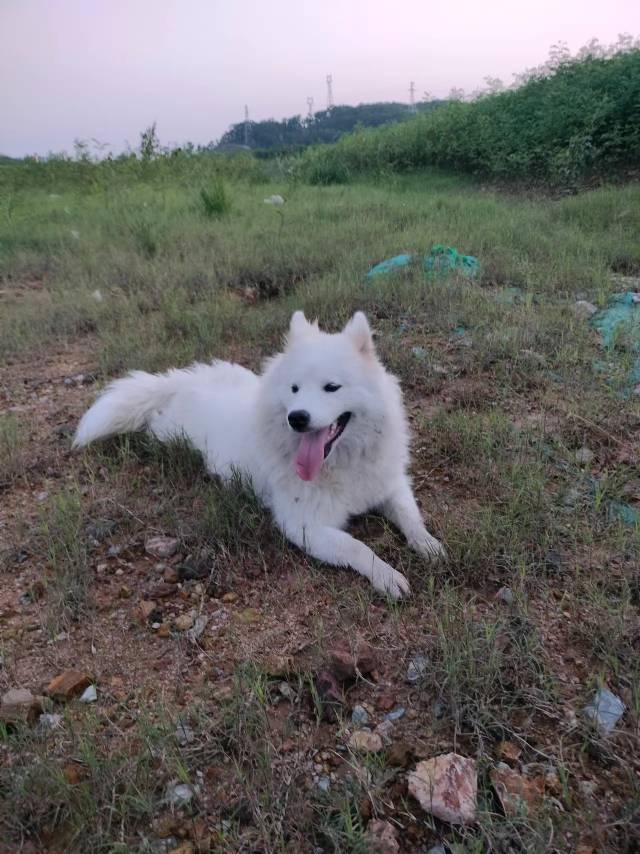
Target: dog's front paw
[[391, 582], [428, 547]]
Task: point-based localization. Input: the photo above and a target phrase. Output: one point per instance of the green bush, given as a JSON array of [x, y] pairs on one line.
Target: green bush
[[580, 122], [215, 201]]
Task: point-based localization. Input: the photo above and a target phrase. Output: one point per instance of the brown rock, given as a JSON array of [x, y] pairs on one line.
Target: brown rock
[[365, 742], [125, 592], [163, 590], [171, 575], [75, 774], [19, 706], [162, 547], [399, 754], [250, 615], [330, 694], [68, 685], [164, 631], [517, 794], [145, 609], [230, 598], [381, 838], [447, 787], [386, 702], [509, 751], [346, 662], [183, 622]]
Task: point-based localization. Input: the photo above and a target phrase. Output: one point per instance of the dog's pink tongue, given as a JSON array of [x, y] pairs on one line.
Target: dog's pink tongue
[[310, 454]]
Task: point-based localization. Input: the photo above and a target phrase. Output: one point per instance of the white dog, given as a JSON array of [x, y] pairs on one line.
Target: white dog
[[321, 434]]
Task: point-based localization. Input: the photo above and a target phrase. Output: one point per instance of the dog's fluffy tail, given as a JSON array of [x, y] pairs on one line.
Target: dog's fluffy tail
[[126, 405]]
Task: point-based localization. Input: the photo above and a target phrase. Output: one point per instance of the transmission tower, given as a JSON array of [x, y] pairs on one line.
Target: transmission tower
[[310, 106], [412, 97], [329, 92], [246, 125]]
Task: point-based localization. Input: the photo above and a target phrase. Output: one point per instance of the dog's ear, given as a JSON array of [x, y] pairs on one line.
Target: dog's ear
[[300, 326], [359, 331]]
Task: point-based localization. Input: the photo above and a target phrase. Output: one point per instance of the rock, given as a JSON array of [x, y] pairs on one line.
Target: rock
[[162, 547], [447, 787], [230, 598], [381, 838], [184, 734], [101, 529], [509, 750], [347, 662], [324, 784], [164, 590], [365, 742], [584, 455], [330, 694], [184, 622], [171, 575], [145, 609], [250, 615], [19, 705], [384, 730], [179, 794], [386, 702], [437, 849], [90, 695], [359, 716], [395, 715], [399, 754], [605, 710], [419, 353], [505, 594], [74, 773], [516, 793], [197, 630], [583, 309], [164, 630], [68, 685], [554, 561], [417, 669], [125, 592]]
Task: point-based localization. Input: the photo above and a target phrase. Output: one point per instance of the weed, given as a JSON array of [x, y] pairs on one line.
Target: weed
[[215, 200]]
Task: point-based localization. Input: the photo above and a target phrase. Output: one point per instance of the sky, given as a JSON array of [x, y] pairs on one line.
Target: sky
[[105, 69]]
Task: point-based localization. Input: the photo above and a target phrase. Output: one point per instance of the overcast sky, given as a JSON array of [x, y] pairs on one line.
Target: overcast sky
[[107, 68]]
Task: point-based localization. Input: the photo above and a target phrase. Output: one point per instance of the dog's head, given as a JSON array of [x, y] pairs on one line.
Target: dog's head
[[325, 395]]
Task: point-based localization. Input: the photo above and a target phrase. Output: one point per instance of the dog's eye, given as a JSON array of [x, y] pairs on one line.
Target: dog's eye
[[295, 389], [332, 387]]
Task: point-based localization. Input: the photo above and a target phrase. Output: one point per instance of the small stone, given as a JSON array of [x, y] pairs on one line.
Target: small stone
[[417, 669], [399, 754], [605, 710], [164, 630], [365, 742], [145, 609], [119, 571], [359, 716], [162, 547], [89, 695], [386, 702], [330, 694], [324, 783], [114, 551], [446, 786], [510, 751], [584, 455], [517, 794], [347, 662], [180, 794], [249, 615], [184, 734], [395, 715], [184, 622], [287, 691], [419, 353], [19, 706], [197, 630], [164, 591], [125, 592], [583, 309], [505, 594], [230, 598], [381, 838], [171, 575], [68, 685], [75, 774], [384, 730]]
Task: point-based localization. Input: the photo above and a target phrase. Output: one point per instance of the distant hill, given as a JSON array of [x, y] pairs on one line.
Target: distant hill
[[323, 126], [5, 159]]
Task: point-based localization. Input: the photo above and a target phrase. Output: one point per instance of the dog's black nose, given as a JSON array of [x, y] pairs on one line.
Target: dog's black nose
[[299, 420]]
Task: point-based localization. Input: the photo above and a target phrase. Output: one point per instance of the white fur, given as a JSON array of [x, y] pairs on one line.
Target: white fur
[[238, 420]]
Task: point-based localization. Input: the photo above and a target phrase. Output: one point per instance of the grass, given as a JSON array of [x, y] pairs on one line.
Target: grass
[[501, 397]]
